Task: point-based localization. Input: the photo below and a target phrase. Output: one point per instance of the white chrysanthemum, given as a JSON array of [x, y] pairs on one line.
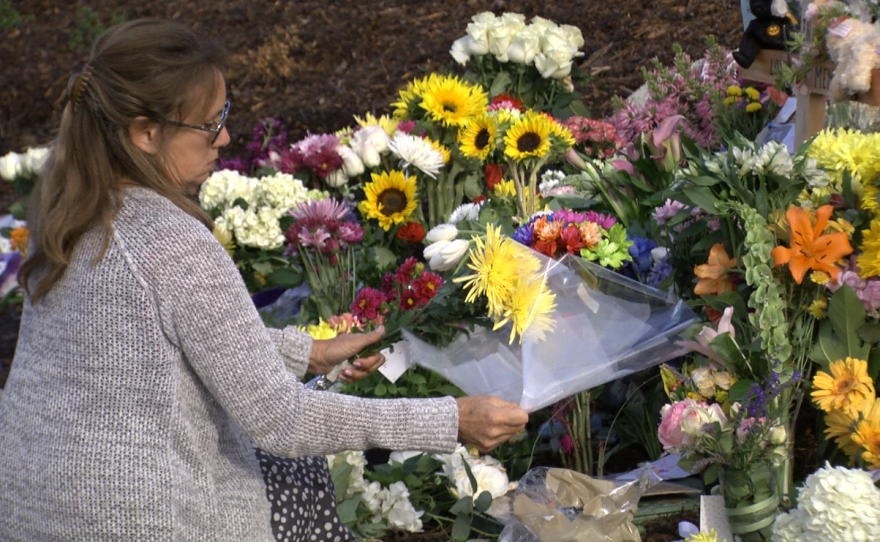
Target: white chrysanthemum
[[282, 191], [358, 462], [466, 211], [416, 152], [836, 504], [258, 228], [815, 177]]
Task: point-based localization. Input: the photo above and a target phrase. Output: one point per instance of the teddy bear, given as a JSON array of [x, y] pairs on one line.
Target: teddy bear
[[853, 45], [770, 29]]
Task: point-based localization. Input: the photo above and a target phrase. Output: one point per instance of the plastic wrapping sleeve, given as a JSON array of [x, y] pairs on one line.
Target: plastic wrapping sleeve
[[560, 505], [605, 326]]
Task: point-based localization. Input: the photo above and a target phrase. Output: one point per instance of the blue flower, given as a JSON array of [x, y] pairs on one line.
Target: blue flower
[[640, 251], [658, 273], [523, 234]]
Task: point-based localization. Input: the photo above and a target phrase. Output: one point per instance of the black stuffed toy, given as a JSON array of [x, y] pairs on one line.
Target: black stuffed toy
[[770, 29]]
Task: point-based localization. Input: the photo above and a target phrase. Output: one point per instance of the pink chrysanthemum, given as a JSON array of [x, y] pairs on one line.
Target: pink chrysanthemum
[[367, 304], [426, 286], [317, 152], [408, 300], [604, 221]]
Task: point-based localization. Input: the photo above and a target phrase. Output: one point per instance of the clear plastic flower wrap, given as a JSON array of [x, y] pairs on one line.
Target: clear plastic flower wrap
[[604, 326]]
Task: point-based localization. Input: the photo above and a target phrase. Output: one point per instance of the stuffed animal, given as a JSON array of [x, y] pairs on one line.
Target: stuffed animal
[[770, 29], [853, 45]]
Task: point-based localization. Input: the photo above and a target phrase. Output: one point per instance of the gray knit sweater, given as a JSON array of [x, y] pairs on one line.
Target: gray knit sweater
[[141, 384]]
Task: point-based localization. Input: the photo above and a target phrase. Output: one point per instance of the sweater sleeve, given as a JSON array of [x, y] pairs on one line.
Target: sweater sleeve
[[205, 309], [294, 347]]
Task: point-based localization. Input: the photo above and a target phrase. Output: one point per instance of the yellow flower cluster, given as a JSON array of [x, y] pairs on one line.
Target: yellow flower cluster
[[444, 99], [847, 394], [509, 276], [752, 98], [841, 150]]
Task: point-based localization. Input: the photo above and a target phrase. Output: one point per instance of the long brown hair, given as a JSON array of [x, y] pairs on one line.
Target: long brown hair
[[144, 68]]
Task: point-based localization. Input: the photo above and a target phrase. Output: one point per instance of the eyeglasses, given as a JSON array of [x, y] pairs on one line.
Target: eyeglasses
[[211, 127]]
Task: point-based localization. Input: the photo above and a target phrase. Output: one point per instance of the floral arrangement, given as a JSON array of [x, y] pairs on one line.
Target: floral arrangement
[[13, 251], [22, 170], [835, 504], [745, 110]]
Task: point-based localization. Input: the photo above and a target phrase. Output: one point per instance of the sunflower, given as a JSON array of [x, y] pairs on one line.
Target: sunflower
[[847, 385], [477, 137], [390, 198], [450, 101], [385, 122], [528, 137], [496, 270], [531, 303]]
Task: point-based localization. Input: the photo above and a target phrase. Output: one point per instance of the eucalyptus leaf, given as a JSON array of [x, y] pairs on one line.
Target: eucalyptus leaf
[[347, 510], [461, 528], [738, 390], [483, 502], [463, 505]]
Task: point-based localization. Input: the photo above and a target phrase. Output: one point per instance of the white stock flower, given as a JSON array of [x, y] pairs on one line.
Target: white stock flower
[[352, 165], [282, 191], [372, 498], [34, 158], [524, 46], [416, 152], [356, 482], [466, 211], [442, 232], [460, 50], [10, 166], [478, 31], [369, 143], [449, 255], [402, 456], [774, 158], [502, 32], [398, 510]]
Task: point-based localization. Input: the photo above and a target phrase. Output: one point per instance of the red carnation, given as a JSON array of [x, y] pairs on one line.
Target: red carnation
[[411, 232], [492, 175]]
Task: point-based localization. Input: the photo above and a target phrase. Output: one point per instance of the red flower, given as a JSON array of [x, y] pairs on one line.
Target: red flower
[[367, 304], [411, 232], [409, 299], [506, 101], [548, 248], [571, 238], [479, 199], [492, 175], [426, 286], [405, 272]]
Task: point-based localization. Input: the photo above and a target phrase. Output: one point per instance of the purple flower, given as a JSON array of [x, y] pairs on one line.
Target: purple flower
[[640, 251], [658, 273], [602, 220], [868, 291], [523, 235], [237, 163], [350, 232], [9, 264]]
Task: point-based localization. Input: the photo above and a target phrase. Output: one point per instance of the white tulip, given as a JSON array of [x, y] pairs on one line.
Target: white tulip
[[10, 166], [351, 162], [434, 249], [369, 142], [524, 47], [449, 256], [460, 50], [442, 232]]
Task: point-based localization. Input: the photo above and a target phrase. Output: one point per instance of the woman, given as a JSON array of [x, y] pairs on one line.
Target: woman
[[143, 376]]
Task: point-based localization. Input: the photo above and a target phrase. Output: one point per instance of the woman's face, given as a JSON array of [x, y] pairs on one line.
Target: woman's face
[[190, 153]]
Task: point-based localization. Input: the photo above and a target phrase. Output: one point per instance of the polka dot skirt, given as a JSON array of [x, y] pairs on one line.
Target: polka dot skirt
[[302, 498]]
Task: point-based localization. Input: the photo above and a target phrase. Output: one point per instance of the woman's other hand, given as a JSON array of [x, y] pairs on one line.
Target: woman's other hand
[[327, 354], [486, 421]]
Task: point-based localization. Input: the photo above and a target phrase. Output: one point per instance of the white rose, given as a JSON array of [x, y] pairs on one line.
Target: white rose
[[777, 435], [442, 232], [460, 50], [449, 256], [489, 478], [369, 143], [575, 37], [540, 25], [556, 55], [502, 32], [336, 178], [10, 166], [524, 46], [351, 163], [478, 31], [35, 158]]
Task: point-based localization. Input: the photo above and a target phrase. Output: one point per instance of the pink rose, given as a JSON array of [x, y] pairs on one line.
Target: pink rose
[[669, 433], [745, 427]]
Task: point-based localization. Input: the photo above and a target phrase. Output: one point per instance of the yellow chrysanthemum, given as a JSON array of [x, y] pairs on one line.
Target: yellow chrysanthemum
[[840, 224], [320, 331], [710, 536], [495, 267], [752, 93], [842, 150], [730, 100], [439, 147], [734, 90], [504, 188], [753, 107], [869, 257], [869, 198], [388, 124], [528, 137], [530, 306], [447, 99], [224, 236], [820, 277], [847, 385], [390, 198], [866, 435], [477, 137], [817, 309]]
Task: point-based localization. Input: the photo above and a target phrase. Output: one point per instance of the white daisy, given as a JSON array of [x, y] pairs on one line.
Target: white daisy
[[415, 151], [466, 211]]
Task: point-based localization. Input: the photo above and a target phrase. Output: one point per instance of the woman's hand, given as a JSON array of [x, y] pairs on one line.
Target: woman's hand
[[327, 354], [487, 421]]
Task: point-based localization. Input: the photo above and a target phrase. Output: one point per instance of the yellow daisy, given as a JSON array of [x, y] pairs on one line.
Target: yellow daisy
[[869, 259], [385, 122], [504, 188], [709, 536], [528, 137], [450, 101], [820, 277], [530, 306], [390, 198], [730, 100], [477, 137], [847, 385], [867, 435], [839, 426], [320, 331], [817, 309], [495, 271]]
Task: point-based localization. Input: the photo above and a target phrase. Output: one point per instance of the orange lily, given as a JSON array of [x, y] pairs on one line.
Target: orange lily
[[713, 273], [809, 248]]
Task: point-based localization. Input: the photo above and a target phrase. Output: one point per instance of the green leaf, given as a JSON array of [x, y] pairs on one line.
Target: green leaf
[[869, 332], [847, 315], [240, 202], [384, 258], [826, 348], [463, 505], [501, 83], [706, 242], [285, 276], [263, 268], [461, 528], [472, 186], [728, 299], [874, 364], [738, 390], [726, 348], [471, 477], [339, 475], [347, 510], [704, 180], [483, 501], [710, 475], [578, 108], [701, 197], [380, 389]]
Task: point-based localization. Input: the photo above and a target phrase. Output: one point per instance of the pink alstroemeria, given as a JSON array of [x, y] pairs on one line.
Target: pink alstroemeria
[[708, 334]]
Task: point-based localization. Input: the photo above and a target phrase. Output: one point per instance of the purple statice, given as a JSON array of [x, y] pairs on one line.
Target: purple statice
[[523, 234]]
